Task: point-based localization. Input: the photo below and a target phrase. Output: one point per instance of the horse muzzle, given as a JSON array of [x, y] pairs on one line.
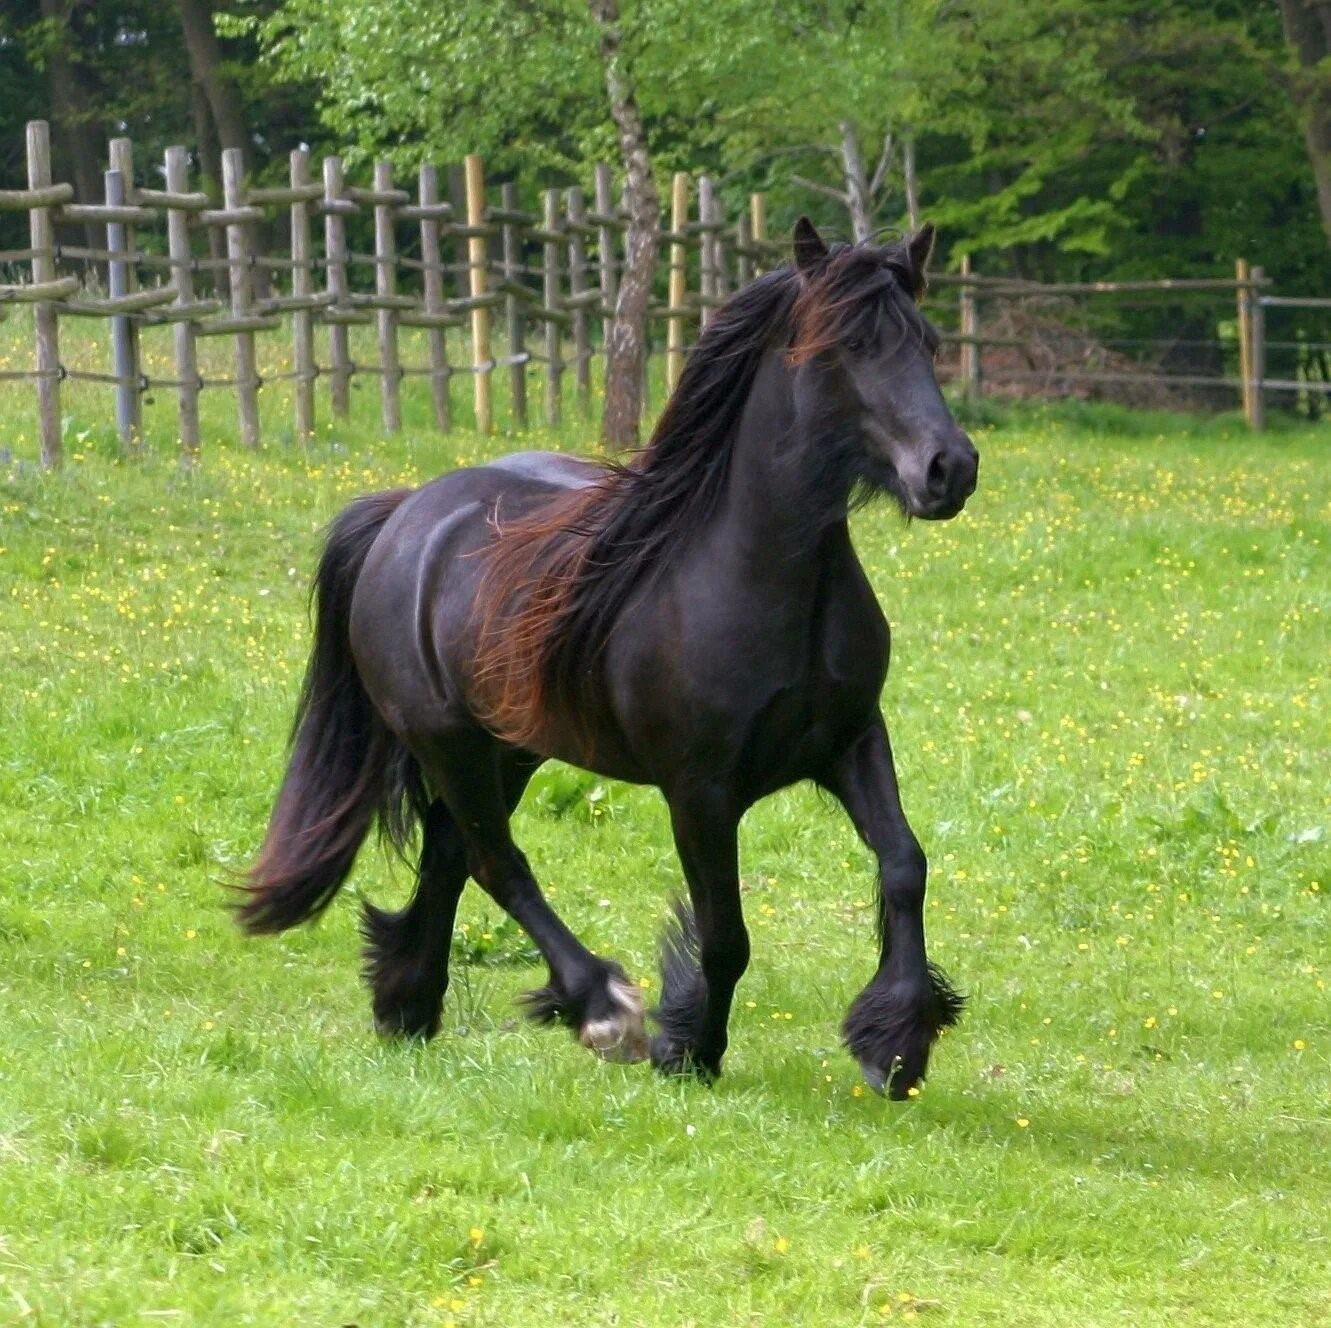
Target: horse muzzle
[[950, 477]]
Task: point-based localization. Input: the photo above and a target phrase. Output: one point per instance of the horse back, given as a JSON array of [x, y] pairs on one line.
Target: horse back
[[413, 620]]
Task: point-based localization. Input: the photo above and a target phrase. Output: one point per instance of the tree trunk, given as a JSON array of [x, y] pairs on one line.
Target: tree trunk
[[74, 123], [1307, 26], [857, 183], [210, 173], [628, 336], [911, 181], [206, 68], [207, 148]]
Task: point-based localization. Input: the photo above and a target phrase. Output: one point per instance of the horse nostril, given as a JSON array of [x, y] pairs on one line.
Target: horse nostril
[[935, 478]]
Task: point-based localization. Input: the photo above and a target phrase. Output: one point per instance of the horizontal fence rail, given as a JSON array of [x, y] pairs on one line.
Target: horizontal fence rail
[[1073, 338], [207, 272], [519, 289]]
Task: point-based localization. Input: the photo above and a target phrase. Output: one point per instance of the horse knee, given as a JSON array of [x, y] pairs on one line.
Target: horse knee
[[904, 872]]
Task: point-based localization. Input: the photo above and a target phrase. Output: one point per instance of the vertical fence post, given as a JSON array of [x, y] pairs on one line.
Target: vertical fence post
[[515, 314], [969, 327], [1257, 350], [1244, 302], [743, 252], [124, 361], [335, 266], [302, 287], [758, 222], [720, 274], [238, 256], [679, 218], [182, 329], [432, 274], [42, 239], [120, 157], [554, 365], [385, 287], [577, 286], [124, 330], [707, 251], [605, 253], [477, 252]]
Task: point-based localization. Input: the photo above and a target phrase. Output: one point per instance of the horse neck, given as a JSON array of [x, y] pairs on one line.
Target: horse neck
[[785, 493]]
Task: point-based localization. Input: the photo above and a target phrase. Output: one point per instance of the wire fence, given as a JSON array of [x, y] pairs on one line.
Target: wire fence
[[1103, 340]]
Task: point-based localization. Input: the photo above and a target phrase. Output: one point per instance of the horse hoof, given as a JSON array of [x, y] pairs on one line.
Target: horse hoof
[[623, 1035], [408, 1022], [892, 1082], [875, 1076], [679, 1062]]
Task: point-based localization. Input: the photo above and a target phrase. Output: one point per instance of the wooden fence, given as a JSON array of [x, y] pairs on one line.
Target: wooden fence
[[1233, 369], [172, 258], [554, 274]]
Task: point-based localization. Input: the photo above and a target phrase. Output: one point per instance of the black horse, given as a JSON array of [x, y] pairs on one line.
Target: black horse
[[696, 619]]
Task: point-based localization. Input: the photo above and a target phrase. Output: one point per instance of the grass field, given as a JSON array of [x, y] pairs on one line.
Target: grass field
[[1109, 706]]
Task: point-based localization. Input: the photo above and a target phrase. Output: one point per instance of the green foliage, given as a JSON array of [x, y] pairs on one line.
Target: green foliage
[[420, 81], [1071, 139]]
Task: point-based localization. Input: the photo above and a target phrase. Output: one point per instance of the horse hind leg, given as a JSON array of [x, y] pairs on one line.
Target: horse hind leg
[[591, 995], [406, 952]]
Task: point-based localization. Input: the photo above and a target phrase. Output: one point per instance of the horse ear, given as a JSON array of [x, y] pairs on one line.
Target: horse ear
[[810, 251], [920, 247]]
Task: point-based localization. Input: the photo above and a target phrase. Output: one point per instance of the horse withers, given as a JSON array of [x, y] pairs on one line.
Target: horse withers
[[695, 618]]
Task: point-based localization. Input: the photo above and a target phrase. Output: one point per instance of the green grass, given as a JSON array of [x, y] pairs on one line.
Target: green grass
[[1109, 706]]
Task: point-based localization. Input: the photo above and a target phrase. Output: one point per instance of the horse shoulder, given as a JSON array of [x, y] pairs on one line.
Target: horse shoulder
[[854, 638]]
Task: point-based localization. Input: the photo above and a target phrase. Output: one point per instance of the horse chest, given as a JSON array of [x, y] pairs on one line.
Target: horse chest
[[829, 696], [765, 675]]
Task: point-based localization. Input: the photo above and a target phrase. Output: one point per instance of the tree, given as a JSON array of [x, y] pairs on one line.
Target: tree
[[1307, 25], [628, 340], [867, 103], [417, 80], [215, 100], [73, 113], [414, 80]]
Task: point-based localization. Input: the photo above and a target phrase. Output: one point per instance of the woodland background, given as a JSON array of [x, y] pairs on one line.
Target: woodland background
[[1068, 139]]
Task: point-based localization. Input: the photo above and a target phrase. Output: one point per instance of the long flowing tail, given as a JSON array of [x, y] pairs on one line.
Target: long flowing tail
[[345, 767]]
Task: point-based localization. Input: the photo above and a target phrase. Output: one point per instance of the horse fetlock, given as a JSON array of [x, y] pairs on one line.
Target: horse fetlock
[[407, 981], [413, 1014], [619, 1033], [678, 1060], [891, 1029]]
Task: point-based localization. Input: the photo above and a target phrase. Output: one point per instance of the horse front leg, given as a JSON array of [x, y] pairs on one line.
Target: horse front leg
[[706, 951], [893, 1023]]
